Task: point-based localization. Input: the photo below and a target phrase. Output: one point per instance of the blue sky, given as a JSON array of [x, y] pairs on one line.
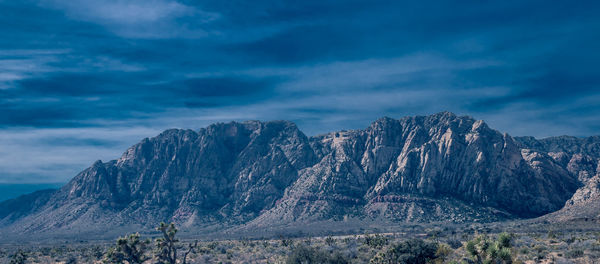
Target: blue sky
[[83, 80]]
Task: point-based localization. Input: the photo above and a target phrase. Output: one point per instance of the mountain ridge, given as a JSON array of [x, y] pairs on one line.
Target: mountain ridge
[[440, 167]]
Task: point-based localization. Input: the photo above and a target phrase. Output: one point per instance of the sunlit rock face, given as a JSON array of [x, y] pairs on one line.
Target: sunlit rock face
[[441, 167], [426, 168]]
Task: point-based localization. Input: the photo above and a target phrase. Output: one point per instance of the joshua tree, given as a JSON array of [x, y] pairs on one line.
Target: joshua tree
[[486, 251], [128, 249], [191, 249], [166, 247]]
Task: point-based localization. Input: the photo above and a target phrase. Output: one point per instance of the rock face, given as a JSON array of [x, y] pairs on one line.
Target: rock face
[[584, 205], [441, 167], [581, 157]]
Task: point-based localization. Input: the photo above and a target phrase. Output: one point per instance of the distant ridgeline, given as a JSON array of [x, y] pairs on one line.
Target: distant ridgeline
[[254, 174], [13, 190]]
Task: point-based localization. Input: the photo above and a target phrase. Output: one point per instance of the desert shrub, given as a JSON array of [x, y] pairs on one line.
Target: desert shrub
[[575, 253], [570, 240], [19, 257], [129, 248], [266, 244], [45, 251], [376, 241], [414, 251], [485, 250], [524, 251], [552, 234], [442, 253], [595, 251], [96, 252], [212, 245], [504, 240], [286, 242], [595, 247], [308, 241], [71, 260], [454, 243], [540, 252], [307, 255], [434, 233], [330, 241], [245, 242]]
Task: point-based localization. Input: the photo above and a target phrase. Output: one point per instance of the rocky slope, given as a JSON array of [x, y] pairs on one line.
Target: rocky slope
[[581, 157], [584, 205], [441, 167]]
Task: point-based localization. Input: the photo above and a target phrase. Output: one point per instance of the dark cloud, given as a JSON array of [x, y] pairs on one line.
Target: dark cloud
[[298, 44], [71, 100], [213, 92], [71, 141], [72, 85], [36, 115], [222, 87]]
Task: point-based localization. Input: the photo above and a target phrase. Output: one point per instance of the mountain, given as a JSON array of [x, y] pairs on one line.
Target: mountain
[[584, 205], [581, 157], [440, 167]]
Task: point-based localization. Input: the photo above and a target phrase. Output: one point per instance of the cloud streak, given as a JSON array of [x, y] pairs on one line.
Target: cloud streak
[[138, 19]]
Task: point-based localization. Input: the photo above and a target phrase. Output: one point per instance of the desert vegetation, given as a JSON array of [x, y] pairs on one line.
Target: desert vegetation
[[430, 245]]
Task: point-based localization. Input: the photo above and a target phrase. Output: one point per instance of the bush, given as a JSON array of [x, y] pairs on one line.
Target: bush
[[487, 251], [575, 253], [570, 240], [330, 241], [540, 252], [71, 260], [442, 252], [414, 251], [129, 249], [454, 243], [504, 240], [19, 257], [307, 255], [286, 242], [552, 234], [376, 241]]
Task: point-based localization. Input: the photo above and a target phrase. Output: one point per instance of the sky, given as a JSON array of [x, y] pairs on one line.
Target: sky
[[84, 80]]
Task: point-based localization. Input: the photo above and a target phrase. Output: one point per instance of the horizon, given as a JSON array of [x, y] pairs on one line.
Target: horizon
[[83, 81]]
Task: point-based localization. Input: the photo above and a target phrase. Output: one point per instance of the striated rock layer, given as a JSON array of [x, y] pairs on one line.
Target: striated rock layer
[[441, 167]]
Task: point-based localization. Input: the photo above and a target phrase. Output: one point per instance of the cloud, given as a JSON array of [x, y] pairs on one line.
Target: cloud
[[138, 19], [18, 64], [82, 80], [58, 154], [85, 99]]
